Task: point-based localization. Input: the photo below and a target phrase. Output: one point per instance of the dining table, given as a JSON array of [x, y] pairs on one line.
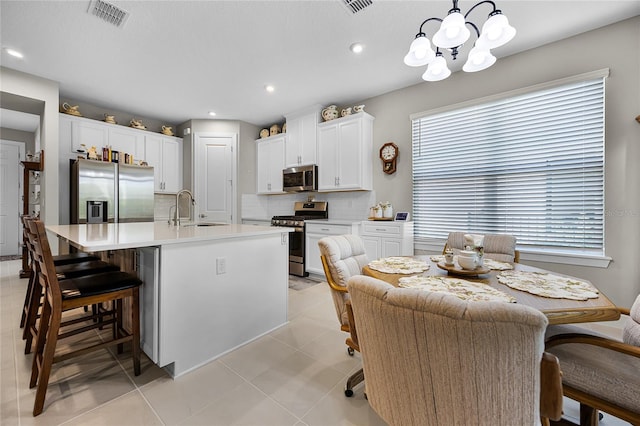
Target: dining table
[[557, 310]]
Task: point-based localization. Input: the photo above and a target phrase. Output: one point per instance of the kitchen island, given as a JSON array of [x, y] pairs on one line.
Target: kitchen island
[[207, 289]]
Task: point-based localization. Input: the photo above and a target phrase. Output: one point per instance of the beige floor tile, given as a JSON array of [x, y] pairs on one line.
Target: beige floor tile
[[130, 409], [243, 406], [329, 347], [338, 410], [257, 357], [72, 396], [298, 382], [176, 400], [299, 331]]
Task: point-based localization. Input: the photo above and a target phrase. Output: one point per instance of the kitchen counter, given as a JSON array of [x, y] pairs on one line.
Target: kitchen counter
[[336, 221], [117, 236], [206, 289]]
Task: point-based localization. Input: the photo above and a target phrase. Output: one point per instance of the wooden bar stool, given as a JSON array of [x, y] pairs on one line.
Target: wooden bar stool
[[34, 289], [65, 295], [63, 259]]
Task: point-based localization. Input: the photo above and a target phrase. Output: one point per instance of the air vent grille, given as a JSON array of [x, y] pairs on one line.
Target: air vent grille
[[355, 6], [108, 13]]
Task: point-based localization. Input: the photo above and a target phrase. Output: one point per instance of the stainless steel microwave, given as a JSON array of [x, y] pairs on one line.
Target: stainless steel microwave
[[300, 178]]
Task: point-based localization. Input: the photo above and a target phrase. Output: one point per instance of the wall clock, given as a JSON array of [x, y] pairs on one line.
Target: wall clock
[[389, 155]]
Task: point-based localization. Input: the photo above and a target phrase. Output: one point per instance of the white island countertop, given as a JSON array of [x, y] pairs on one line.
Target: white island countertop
[[116, 236]]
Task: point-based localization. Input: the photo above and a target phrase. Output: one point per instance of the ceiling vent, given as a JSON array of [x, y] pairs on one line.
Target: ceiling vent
[[108, 13], [355, 6]]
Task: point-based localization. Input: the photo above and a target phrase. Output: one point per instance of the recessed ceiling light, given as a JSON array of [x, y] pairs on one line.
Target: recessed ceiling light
[[356, 47], [211, 113], [14, 53], [269, 88]]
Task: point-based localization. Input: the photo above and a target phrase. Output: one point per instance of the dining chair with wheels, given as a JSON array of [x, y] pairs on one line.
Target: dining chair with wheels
[[61, 296], [343, 256], [500, 247], [599, 372], [430, 358]]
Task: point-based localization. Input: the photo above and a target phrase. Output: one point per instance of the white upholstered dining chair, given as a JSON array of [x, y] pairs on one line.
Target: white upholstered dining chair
[[500, 247], [431, 359], [343, 256]]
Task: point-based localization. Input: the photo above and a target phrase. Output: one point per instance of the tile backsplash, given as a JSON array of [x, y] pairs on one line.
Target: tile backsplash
[[342, 205]]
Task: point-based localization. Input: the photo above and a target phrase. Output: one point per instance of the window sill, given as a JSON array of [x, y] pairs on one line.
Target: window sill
[[562, 257]]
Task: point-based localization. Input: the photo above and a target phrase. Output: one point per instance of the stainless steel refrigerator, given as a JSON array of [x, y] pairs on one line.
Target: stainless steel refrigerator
[[111, 192]]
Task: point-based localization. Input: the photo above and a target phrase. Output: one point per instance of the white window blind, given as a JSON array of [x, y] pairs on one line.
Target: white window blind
[[530, 165]]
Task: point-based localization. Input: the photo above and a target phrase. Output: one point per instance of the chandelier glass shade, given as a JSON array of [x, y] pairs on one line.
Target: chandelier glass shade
[[453, 33]]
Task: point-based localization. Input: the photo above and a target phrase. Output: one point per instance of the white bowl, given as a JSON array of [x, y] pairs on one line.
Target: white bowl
[[467, 262]]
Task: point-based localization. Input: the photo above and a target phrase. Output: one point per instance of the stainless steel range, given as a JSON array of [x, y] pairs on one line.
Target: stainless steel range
[[303, 211]]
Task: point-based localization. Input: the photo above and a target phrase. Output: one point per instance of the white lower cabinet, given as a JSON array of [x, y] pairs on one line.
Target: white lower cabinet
[[314, 232], [384, 239]]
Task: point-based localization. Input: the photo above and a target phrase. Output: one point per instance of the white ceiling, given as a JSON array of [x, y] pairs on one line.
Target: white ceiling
[[178, 60]]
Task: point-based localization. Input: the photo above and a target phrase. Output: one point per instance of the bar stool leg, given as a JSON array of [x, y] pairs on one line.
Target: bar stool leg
[[32, 315], [28, 297], [43, 360]]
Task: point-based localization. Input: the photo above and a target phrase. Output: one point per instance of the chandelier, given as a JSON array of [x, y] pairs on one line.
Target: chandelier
[[453, 33]]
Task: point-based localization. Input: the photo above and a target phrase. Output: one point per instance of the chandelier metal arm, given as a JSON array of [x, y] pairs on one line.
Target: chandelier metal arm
[[421, 33], [478, 4], [474, 27]]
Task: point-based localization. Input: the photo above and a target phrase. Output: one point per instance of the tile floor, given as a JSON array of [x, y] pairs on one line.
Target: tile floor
[[293, 376]]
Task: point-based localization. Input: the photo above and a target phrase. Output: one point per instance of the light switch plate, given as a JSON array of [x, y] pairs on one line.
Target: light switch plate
[[221, 265]]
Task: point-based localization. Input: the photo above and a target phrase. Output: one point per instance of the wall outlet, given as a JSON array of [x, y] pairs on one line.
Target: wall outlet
[[221, 265]]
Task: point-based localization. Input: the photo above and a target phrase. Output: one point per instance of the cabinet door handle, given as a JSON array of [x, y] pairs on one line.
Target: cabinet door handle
[[381, 230], [325, 229]]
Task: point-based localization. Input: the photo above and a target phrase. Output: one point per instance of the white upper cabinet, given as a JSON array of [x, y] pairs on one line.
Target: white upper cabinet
[[164, 154], [345, 153], [269, 164], [75, 131], [125, 140], [301, 141], [85, 131]]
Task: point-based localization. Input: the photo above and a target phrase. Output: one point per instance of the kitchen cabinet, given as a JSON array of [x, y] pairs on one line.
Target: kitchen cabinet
[[384, 239], [164, 154], [301, 141], [125, 140], [75, 131], [78, 130], [269, 164], [345, 149], [314, 231]]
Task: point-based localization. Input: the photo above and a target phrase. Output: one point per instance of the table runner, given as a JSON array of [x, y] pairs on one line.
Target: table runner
[[399, 265], [463, 289], [548, 285]]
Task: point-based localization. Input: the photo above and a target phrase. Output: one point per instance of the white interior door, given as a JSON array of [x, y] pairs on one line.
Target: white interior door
[[10, 184], [215, 177]]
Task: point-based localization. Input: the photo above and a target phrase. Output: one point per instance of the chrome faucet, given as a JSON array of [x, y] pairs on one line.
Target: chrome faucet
[[176, 220]]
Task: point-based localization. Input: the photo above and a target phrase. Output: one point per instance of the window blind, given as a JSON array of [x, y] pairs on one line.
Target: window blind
[[530, 165]]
